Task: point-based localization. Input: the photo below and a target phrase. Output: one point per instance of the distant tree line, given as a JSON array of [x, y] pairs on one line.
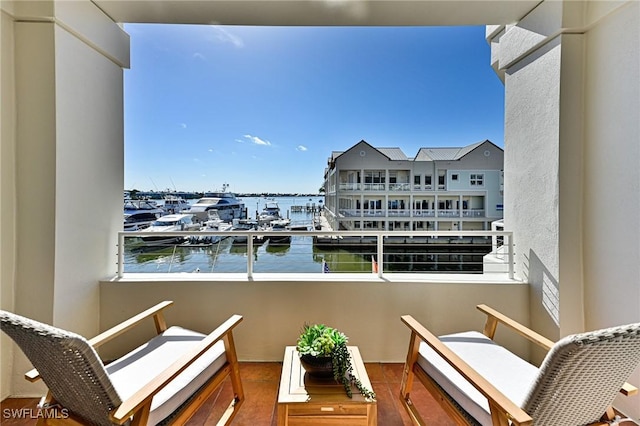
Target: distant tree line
[[157, 195]]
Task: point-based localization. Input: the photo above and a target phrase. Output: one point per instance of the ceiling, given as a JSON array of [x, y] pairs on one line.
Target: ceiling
[[319, 12]]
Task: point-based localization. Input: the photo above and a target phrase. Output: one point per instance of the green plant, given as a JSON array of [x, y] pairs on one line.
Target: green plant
[[318, 340]]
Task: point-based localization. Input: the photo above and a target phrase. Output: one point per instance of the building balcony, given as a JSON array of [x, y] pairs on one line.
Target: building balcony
[[416, 213], [400, 187]]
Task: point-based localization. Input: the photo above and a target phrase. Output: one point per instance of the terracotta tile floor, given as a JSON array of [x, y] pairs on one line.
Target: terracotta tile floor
[[260, 381]]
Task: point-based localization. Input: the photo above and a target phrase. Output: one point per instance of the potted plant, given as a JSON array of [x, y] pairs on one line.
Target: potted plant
[[323, 353]]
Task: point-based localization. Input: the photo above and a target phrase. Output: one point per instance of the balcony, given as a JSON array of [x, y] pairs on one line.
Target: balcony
[[416, 213], [53, 270], [399, 187], [276, 304], [349, 186]]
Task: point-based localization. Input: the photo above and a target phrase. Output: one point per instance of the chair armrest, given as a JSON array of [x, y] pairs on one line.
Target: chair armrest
[[628, 389], [496, 398], [115, 331], [143, 397], [494, 317]]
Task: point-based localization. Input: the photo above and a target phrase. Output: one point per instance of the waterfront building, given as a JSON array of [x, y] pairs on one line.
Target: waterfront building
[[445, 189]]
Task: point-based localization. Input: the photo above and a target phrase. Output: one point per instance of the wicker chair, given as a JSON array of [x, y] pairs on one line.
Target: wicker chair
[[164, 381], [478, 382]]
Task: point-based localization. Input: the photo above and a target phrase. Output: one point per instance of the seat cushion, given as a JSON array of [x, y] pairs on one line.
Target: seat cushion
[[506, 371], [131, 372]]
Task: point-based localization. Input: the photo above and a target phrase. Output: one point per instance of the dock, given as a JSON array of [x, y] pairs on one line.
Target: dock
[[308, 208]]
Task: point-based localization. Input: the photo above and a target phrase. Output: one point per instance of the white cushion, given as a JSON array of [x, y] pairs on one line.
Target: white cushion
[[134, 370], [507, 372]]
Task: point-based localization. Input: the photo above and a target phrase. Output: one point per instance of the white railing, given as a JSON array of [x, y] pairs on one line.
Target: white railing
[[448, 213], [398, 213], [374, 186], [400, 187], [472, 213], [424, 213], [378, 243], [349, 186]]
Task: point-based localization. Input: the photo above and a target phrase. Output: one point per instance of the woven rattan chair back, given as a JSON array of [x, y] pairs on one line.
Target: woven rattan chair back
[[69, 366], [582, 374]]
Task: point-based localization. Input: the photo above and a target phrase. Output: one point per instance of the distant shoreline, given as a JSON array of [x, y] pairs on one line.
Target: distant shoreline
[[158, 195]]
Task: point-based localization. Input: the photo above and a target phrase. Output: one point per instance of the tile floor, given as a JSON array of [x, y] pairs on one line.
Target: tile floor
[[260, 382]]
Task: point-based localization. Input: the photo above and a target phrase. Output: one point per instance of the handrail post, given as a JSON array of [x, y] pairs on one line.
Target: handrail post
[[510, 257], [120, 254], [380, 251], [250, 255]]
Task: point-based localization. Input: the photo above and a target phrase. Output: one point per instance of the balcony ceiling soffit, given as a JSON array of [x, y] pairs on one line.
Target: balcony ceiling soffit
[[318, 12]]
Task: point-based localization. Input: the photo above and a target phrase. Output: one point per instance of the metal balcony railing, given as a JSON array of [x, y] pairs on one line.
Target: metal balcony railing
[[311, 252], [417, 213]]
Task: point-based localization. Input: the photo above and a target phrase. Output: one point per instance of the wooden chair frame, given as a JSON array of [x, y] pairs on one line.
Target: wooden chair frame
[[137, 407], [503, 411]]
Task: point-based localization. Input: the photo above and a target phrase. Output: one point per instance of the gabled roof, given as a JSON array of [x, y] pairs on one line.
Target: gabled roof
[[393, 153], [448, 154], [424, 154], [390, 153]]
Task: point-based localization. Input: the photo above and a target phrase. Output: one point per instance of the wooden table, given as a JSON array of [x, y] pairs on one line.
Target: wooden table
[[306, 400]]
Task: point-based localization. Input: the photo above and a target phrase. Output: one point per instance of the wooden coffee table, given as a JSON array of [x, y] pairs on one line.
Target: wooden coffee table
[[306, 400]]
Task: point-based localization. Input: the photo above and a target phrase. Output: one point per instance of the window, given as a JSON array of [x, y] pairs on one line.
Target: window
[[416, 179], [441, 175], [477, 179], [454, 177], [374, 177], [427, 181]]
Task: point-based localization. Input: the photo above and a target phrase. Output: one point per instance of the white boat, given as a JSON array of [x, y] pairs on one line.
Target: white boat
[[174, 204], [170, 223], [213, 224], [242, 226], [139, 214], [270, 212], [227, 205], [280, 231]]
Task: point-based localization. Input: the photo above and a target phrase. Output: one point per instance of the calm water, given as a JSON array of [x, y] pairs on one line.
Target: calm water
[[300, 256], [226, 256]]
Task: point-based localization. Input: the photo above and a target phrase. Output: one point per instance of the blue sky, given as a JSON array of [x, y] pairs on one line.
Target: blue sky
[[262, 108]]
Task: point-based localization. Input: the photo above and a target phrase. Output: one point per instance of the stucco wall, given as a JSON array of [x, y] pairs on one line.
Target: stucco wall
[[69, 164], [572, 149], [531, 176], [612, 176], [89, 134], [368, 310]]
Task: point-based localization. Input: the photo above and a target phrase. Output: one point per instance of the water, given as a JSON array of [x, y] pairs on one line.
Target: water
[[227, 257], [299, 256]]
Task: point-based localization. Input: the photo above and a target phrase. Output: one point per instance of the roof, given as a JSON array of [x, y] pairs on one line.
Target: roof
[[393, 153], [446, 154], [424, 154]]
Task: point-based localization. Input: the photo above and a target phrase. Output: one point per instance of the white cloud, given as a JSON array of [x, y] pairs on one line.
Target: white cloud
[[210, 149], [183, 125], [225, 36], [301, 148], [257, 141], [199, 55]]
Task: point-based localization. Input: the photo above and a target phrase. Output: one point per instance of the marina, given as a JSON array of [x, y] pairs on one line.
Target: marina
[[301, 251]]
